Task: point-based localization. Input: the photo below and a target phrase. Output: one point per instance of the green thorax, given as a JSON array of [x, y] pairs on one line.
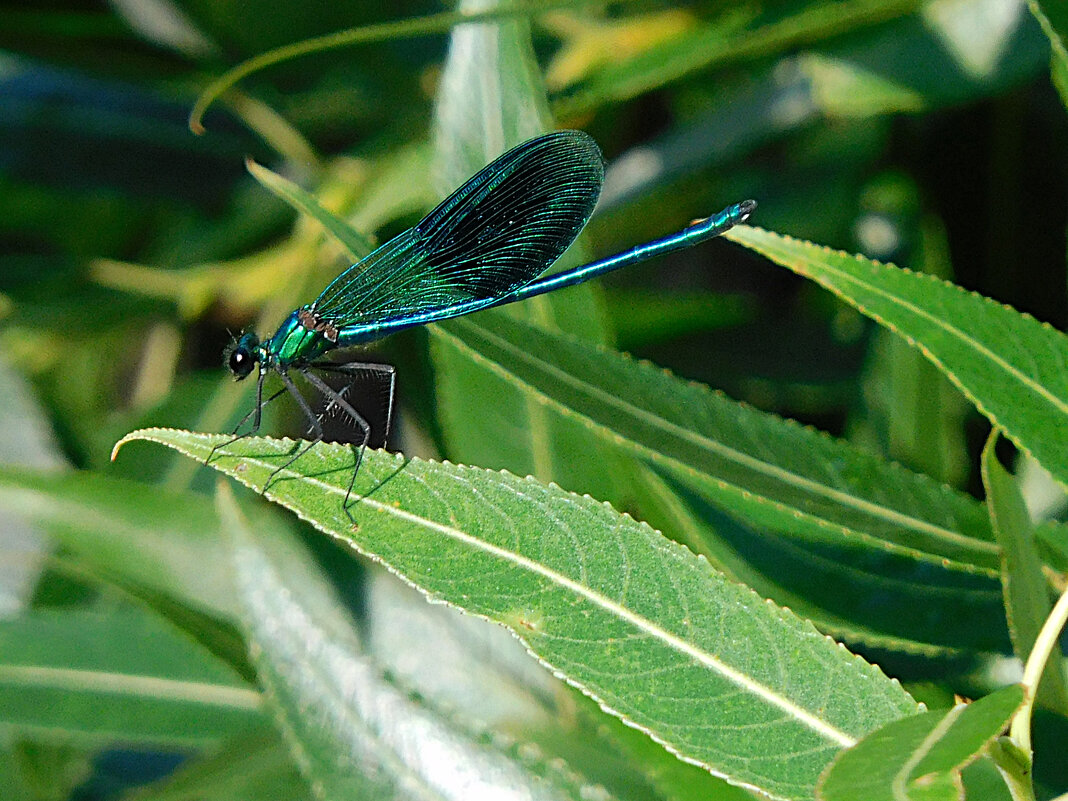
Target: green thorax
[[303, 337]]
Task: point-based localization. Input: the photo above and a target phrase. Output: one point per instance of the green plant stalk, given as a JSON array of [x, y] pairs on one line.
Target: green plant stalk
[[1013, 755], [1014, 767], [1020, 731], [411, 27]]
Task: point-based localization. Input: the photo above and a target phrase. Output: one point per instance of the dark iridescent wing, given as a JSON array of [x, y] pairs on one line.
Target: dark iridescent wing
[[494, 234]]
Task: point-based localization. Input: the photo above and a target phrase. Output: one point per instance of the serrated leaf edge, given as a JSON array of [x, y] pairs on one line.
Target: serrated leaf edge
[[708, 660]]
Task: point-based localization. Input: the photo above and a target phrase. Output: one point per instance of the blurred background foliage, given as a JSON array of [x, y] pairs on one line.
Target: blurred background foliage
[[925, 133]]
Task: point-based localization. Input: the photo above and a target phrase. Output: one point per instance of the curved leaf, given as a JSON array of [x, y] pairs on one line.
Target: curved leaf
[[75, 672], [1012, 367], [1027, 595], [770, 472], [706, 667], [920, 758], [356, 245]]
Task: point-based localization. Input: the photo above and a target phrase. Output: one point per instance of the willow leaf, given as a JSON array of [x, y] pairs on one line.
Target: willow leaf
[[355, 244], [1012, 367], [88, 675], [770, 472], [357, 732], [652, 632]]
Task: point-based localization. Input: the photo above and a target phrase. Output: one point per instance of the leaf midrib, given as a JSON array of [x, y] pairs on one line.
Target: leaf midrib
[[806, 718], [953, 330], [771, 471], [141, 686]]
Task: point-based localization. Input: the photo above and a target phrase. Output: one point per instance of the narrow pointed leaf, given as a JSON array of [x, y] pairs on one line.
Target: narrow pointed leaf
[[163, 541], [920, 758], [719, 676], [770, 472], [483, 673], [1012, 367], [491, 97], [1053, 18], [356, 245]]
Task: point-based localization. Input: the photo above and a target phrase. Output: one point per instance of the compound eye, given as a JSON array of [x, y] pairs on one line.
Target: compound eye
[[241, 362]]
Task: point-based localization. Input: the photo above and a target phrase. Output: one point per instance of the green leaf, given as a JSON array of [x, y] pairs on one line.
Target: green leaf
[[397, 186], [490, 97], [634, 620], [1010, 365], [855, 58], [847, 584], [736, 36], [672, 778], [642, 316], [462, 663], [983, 782], [121, 675], [920, 758], [355, 732], [1027, 598], [355, 244], [157, 547], [912, 413], [458, 661], [770, 472]]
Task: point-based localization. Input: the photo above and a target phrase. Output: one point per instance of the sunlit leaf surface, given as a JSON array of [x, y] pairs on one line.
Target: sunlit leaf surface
[[634, 620]]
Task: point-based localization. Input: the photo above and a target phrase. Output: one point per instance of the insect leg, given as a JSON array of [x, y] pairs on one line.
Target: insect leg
[[257, 412], [316, 427], [336, 399]]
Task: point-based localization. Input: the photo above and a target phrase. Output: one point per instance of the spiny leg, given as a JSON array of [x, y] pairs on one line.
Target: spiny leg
[[336, 399], [257, 411], [316, 427]]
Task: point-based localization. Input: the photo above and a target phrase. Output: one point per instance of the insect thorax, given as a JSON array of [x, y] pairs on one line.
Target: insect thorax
[[303, 337]]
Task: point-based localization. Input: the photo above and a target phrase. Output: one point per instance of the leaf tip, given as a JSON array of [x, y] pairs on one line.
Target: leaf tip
[[195, 116], [118, 445], [151, 434]]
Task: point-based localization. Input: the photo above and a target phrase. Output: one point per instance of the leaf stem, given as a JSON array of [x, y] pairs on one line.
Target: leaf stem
[[1020, 731], [1014, 767]]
